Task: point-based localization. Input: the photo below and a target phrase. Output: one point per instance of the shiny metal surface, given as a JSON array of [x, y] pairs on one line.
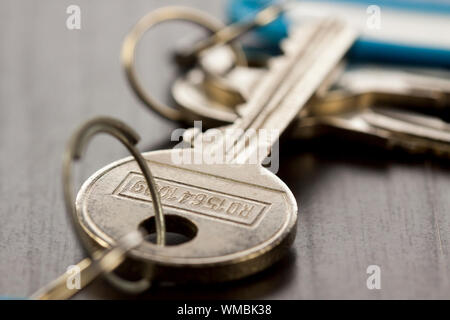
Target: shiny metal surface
[[359, 205], [143, 25], [106, 258], [89, 269], [347, 104], [241, 216], [244, 220], [231, 32]]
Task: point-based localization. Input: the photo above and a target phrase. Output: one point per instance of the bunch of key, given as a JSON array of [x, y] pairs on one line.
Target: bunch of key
[[237, 217]]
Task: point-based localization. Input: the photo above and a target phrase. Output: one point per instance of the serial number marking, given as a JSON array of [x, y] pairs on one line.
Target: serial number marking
[[194, 199]]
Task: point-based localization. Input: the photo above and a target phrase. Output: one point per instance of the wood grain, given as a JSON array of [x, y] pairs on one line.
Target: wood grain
[[358, 206]]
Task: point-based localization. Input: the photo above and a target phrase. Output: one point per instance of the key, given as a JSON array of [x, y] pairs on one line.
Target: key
[[358, 97], [236, 217], [387, 127], [408, 88], [356, 87]]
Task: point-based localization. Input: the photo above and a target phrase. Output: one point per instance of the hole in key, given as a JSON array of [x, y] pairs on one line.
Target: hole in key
[[178, 230]]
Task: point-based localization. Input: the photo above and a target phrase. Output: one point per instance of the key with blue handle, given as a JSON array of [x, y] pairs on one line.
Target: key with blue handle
[[410, 31]]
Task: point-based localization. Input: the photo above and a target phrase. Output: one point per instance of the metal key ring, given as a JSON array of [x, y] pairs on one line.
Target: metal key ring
[[147, 22], [129, 138], [107, 260]]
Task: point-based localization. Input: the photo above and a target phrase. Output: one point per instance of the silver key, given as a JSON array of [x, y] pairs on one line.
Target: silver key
[[89, 269], [357, 105], [240, 218], [388, 127], [357, 87]]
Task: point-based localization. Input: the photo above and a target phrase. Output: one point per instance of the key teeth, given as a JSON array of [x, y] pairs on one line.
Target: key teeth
[[287, 46], [292, 43], [404, 132], [297, 35], [275, 62]]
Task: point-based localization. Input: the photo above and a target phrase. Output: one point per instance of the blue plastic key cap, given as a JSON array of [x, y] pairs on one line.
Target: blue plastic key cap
[[394, 31]]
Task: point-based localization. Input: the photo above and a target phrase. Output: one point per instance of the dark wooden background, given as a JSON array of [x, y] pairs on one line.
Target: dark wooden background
[[358, 206]]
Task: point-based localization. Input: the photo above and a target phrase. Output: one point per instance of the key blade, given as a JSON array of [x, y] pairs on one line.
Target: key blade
[[412, 132], [416, 134], [58, 288], [329, 54], [90, 269], [293, 79]]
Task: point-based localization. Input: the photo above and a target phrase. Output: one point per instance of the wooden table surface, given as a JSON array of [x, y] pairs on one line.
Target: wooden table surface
[[358, 206]]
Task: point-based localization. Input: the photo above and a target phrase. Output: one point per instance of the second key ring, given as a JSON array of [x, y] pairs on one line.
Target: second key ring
[[128, 55], [128, 137], [104, 260]]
